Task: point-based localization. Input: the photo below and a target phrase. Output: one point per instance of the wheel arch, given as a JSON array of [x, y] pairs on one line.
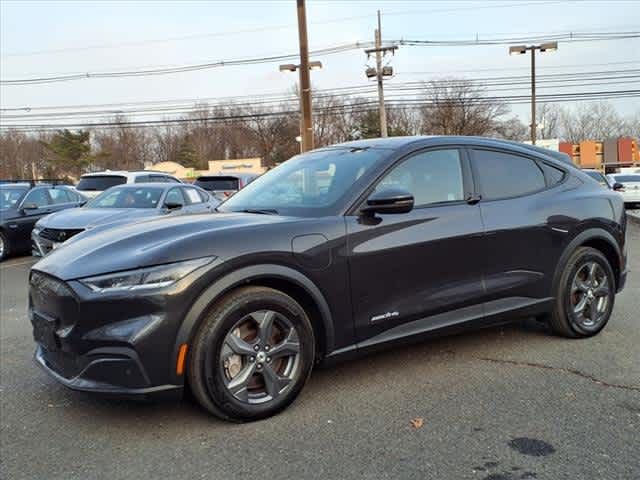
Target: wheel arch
[[597, 238], [285, 279]]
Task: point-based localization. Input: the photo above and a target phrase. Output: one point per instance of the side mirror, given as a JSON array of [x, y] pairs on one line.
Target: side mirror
[[29, 206], [618, 187], [392, 200], [171, 206]]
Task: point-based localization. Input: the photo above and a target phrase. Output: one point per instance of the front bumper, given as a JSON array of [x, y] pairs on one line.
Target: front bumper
[[122, 344], [109, 375]]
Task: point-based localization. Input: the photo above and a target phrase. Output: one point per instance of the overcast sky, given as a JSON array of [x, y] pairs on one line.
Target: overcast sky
[[49, 37]]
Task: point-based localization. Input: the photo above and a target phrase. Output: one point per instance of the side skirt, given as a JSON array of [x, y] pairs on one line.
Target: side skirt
[[491, 313]]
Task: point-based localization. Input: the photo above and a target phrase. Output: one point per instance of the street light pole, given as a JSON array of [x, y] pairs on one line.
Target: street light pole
[[521, 50], [305, 80], [383, 112]]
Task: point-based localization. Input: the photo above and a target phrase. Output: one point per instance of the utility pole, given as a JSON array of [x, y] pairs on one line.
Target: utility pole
[[380, 72], [305, 80], [534, 124]]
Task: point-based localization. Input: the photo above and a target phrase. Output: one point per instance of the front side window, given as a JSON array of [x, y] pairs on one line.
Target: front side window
[[192, 195], [311, 184], [38, 197], [174, 197], [504, 175], [126, 197], [431, 177]]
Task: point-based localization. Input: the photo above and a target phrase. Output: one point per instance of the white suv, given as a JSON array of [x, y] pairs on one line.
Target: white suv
[[93, 184]]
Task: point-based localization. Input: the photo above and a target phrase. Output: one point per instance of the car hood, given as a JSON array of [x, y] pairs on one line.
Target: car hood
[[151, 242], [83, 218]]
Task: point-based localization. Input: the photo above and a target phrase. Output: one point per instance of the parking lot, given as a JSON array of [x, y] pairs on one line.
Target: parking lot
[[503, 403]]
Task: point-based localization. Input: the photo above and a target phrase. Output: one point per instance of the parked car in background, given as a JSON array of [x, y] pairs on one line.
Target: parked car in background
[[23, 204], [336, 252], [599, 177], [117, 206], [223, 186], [628, 184], [93, 184]]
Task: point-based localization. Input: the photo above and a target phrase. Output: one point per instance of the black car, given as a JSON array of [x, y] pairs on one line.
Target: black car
[[333, 253], [23, 204]]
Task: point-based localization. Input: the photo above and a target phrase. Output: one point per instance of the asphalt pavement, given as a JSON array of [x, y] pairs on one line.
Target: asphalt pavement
[[504, 403]]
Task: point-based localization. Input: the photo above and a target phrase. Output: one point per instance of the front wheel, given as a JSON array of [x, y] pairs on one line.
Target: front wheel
[[252, 354], [585, 295]]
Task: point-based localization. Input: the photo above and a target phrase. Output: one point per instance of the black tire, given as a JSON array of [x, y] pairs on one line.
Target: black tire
[[563, 319], [208, 374], [5, 251]]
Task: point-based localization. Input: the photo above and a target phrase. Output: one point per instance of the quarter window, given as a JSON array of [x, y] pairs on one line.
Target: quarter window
[[504, 175], [431, 177]]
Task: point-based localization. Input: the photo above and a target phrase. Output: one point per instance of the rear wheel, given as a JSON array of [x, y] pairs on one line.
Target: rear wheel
[[585, 295], [252, 354], [5, 247]]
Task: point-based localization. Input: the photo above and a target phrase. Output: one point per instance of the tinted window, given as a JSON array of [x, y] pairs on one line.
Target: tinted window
[[162, 179], [143, 179], [38, 196], [503, 175], [432, 177], [218, 183], [59, 195], [127, 197], [192, 195], [100, 183], [174, 196]]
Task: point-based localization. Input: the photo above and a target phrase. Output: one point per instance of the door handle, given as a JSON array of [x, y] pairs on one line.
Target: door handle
[[474, 199]]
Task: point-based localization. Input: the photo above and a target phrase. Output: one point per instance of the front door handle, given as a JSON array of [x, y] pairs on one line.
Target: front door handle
[[474, 198]]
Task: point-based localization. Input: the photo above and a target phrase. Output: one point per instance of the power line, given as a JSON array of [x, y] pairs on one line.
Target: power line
[[566, 37]]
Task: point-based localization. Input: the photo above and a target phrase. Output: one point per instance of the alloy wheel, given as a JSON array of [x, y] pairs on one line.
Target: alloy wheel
[[260, 357], [2, 247], [590, 296]]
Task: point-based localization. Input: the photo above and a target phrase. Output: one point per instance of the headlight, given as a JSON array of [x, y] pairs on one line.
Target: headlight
[[145, 278]]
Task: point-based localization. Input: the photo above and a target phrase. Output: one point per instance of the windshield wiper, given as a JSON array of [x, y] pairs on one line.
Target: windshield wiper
[[260, 211]]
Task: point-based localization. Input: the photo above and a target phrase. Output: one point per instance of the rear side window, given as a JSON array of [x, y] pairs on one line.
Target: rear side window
[[218, 183], [504, 175], [627, 178], [143, 179], [100, 183], [59, 195], [162, 179]]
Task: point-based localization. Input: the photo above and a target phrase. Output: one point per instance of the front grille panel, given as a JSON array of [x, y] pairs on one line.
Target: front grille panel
[[58, 234]]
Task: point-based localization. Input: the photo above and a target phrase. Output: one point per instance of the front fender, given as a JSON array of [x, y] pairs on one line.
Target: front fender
[[239, 277]]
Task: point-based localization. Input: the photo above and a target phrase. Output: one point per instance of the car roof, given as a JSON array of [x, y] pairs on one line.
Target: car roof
[[124, 173], [396, 143]]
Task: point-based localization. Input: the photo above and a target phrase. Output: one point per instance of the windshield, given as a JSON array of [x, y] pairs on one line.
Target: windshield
[[307, 185], [627, 178], [597, 176], [127, 197], [100, 183], [9, 197], [218, 183]]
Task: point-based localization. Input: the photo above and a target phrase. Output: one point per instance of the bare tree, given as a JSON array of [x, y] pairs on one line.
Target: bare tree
[[548, 119], [458, 107], [591, 121]]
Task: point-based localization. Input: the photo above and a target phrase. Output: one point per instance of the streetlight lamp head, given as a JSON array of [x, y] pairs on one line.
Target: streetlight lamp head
[[289, 67], [518, 50], [315, 65], [549, 47], [370, 72]]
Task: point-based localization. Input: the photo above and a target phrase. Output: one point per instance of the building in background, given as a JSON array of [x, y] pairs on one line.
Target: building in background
[[242, 165]]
